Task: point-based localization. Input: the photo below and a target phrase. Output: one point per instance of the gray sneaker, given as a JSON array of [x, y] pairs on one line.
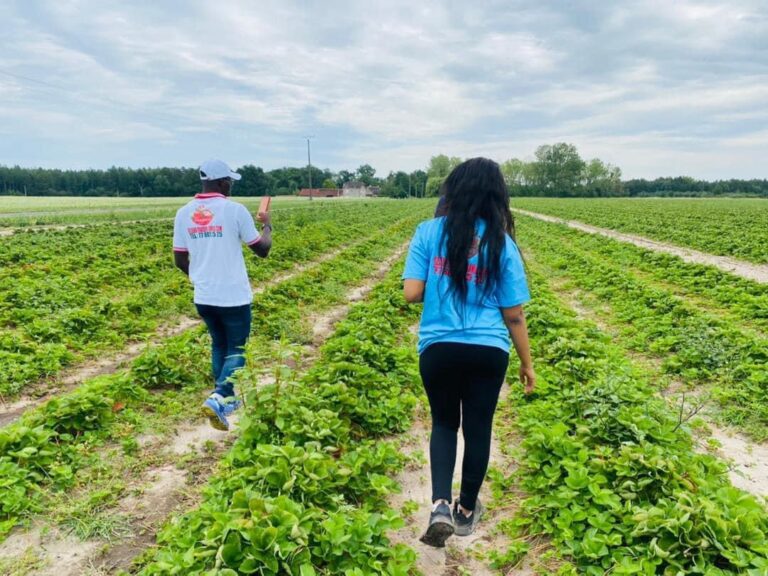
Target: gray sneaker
[[440, 526], [465, 526]]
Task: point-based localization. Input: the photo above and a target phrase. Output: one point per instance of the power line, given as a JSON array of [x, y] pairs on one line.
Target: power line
[[85, 99], [30, 79]]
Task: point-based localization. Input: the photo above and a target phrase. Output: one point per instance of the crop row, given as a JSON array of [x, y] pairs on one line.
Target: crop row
[[66, 295], [51, 213], [696, 346], [49, 444], [303, 490], [608, 471], [730, 227], [739, 298]]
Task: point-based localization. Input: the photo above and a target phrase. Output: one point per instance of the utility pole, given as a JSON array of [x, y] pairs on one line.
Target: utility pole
[[309, 167]]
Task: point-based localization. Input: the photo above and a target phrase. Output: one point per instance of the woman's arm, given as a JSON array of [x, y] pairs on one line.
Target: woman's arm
[[413, 291], [514, 318]]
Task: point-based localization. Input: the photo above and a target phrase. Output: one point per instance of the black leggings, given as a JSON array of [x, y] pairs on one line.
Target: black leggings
[[461, 380]]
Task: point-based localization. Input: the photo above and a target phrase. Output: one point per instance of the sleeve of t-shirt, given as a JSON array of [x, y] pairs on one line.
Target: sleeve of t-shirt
[[417, 262], [247, 227], [513, 289], [179, 235]]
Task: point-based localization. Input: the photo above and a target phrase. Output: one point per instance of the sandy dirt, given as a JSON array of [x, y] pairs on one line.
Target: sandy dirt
[[755, 272], [461, 554], [54, 227], [748, 461], [323, 324]]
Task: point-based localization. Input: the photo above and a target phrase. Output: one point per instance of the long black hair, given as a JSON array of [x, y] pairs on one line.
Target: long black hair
[[474, 190]]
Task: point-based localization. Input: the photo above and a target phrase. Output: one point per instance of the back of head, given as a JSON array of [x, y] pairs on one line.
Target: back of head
[[475, 190]]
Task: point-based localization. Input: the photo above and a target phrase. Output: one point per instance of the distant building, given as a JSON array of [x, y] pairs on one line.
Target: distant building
[[357, 189], [351, 189]]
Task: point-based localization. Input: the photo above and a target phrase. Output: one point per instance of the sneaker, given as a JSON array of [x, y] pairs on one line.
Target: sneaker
[[440, 526], [215, 411], [230, 404], [465, 526]]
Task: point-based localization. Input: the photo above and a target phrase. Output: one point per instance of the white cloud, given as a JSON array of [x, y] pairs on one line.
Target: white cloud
[[651, 86]]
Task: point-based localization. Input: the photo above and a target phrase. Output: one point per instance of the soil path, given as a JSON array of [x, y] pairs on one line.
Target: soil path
[[10, 231], [748, 461], [460, 555], [164, 489], [755, 272], [44, 390]]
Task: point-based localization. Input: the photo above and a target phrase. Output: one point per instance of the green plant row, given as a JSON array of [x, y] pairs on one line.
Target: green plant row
[[726, 226], [740, 298], [49, 444], [302, 492], [65, 298], [696, 346], [113, 210], [609, 473]]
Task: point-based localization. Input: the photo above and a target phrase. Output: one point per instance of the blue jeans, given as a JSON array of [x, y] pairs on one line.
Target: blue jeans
[[229, 327]]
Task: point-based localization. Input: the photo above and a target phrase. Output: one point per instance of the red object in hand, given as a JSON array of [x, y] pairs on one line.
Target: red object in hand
[[264, 205]]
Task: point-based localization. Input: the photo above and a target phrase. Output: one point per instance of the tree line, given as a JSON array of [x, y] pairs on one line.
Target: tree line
[[556, 170], [686, 186], [153, 182]]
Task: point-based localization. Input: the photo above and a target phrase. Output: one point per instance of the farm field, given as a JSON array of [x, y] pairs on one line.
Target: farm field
[[619, 463], [730, 227], [16, 211], [66, 295]]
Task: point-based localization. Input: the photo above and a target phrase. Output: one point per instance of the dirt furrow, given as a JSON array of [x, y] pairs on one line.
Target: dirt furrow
[[755, 272], [10, 231], [461, 555]]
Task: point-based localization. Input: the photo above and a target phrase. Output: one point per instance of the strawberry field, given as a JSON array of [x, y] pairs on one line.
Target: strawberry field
[[648, 367], [726, 226]]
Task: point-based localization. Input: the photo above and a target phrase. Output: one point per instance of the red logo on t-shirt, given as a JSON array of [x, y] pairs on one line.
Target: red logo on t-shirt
[[202, 216]]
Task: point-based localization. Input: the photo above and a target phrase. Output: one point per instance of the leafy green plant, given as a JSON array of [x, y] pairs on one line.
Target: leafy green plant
[[304, 486], [693, 344], [609, 473], [729, 226]]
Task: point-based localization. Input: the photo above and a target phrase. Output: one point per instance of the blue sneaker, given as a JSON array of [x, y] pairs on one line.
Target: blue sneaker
[[215, 411], [230, 404]]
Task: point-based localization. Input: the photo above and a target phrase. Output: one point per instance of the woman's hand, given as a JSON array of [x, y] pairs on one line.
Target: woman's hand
[[514, 318], [528, 379]]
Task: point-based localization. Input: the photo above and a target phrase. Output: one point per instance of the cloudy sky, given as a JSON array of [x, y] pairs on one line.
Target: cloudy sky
[[657, 87]]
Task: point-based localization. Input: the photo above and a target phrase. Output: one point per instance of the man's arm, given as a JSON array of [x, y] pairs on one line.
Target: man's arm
[[181, 259], [264, 245]]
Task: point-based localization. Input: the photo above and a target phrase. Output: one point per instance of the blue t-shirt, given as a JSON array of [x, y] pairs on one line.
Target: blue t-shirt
[[444, 318]]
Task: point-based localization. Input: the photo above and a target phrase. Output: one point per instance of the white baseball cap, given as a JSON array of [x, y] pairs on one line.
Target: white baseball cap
[[217, 169]]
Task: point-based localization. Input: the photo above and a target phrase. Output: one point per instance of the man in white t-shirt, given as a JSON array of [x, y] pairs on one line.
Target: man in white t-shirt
[[208, 234]]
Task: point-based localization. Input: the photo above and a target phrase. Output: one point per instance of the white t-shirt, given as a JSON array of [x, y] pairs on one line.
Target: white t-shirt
[[211, 228]]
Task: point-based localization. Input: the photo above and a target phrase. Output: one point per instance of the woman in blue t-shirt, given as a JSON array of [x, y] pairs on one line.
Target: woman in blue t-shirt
[[466, 268]]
